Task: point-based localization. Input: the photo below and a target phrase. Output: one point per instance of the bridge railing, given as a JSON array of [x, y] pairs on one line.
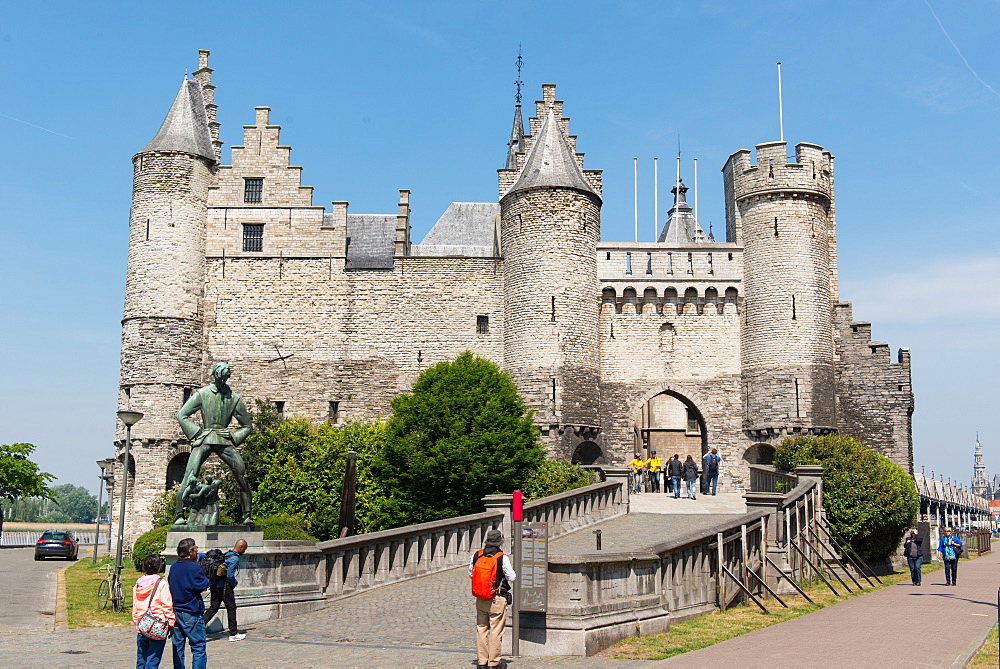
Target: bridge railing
[[25, 538], [366, 561], [766, 478]]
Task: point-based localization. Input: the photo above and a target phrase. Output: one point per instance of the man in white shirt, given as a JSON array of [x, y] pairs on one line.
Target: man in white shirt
[[491, 613]]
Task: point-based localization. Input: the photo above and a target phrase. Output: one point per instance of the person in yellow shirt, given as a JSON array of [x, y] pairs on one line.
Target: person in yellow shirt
[[654, 466], [637, 465]]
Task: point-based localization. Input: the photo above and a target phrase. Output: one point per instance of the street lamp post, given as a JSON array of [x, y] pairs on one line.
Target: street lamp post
[[103, 464], [130, 418]]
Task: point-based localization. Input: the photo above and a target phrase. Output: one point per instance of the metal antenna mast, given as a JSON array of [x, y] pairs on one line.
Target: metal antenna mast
[[519, 83]]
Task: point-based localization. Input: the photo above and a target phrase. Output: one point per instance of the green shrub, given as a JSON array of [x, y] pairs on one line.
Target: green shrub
[[154, 541], [285, 526], [868, 498], [555, 476]]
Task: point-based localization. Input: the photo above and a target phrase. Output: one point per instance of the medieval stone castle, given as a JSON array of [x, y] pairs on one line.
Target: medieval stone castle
[[680, 345]]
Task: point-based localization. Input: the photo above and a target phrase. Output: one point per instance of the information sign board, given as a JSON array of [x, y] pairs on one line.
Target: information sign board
[[534, 566]]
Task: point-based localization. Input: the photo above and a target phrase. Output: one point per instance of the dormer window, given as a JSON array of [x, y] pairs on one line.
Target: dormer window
[[252, 190]]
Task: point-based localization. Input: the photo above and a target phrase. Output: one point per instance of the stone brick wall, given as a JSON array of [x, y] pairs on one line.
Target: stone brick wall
[[875, 395], [787, 342]]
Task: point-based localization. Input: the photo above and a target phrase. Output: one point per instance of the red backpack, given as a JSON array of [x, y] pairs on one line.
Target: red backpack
[[486, 575]]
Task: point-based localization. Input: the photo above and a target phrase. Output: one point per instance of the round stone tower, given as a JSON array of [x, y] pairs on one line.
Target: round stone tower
[[549, 229], [782, 213], [162, 324]]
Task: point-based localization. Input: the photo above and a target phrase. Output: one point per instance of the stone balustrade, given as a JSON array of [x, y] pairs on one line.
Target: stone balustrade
[[766, 478], [365, 561]]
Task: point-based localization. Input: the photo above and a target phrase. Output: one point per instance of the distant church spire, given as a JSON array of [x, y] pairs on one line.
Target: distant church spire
[[980, 484], [515, 144]]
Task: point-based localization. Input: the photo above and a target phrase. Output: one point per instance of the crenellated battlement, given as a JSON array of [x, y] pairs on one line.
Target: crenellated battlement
[[811, 175]]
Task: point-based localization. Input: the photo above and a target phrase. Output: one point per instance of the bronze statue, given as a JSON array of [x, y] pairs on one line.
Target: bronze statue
[[219, 405], [204, 500]]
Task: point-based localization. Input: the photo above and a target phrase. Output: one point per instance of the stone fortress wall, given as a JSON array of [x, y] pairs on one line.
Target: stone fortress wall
[[616, 346]]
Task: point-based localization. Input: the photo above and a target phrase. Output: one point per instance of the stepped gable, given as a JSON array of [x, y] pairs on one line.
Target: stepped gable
[[186, 128], [371, 240], [551, 162]]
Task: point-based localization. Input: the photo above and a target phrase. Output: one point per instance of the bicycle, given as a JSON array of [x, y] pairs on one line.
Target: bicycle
[[110, 589]]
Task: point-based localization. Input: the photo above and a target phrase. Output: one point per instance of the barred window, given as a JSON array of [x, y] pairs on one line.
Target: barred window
[[482, 324], [252, 189], [253, 237]]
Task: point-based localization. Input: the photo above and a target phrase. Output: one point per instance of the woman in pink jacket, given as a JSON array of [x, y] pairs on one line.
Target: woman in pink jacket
[[153, 594]]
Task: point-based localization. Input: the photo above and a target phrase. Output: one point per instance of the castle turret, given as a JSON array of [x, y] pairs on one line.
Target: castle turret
[[782, 213], [549, 229], [162, 326]]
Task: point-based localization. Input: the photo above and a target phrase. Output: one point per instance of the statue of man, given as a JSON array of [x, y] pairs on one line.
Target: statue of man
[[219, 405]]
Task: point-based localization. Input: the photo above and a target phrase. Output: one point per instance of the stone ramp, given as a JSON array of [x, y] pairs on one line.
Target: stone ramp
[[901, 626], [655, 502]]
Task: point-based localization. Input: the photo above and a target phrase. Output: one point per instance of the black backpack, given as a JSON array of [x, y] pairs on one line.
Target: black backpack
[[713, 463], [210, 564]]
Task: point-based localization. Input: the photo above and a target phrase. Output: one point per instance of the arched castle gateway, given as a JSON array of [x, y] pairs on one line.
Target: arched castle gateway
[[681, 345]]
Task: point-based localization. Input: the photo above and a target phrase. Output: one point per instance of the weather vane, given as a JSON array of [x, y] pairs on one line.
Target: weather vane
[[519, 83]]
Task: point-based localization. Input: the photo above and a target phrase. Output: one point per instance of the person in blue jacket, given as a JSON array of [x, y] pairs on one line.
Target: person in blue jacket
[[187, 581], [222, 590], [950, 547]]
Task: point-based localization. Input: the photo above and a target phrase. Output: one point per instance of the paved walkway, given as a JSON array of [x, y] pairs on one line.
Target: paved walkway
[[901, 626]]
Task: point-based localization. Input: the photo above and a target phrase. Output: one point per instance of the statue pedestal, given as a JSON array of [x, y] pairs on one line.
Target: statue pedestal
[[276, 578], [213, 536]]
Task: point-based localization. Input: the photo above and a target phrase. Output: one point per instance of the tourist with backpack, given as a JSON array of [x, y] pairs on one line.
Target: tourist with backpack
[[675, 468], [712, 461], [187, 582], [689, 472], [152, 613], [950, 547], [492, 575], [221, 572]]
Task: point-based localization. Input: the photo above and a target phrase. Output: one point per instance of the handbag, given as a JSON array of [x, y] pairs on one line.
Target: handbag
[[150, 626], [958, 551]]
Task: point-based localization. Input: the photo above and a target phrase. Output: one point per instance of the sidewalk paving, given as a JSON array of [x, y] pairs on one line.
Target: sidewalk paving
[[901, 626]]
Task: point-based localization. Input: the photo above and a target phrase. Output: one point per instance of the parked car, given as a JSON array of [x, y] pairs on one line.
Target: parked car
[[57, 543]]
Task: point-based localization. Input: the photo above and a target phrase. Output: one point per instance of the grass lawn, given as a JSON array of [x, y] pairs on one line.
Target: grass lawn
[[718, 626], [987, 655], [82, 580]]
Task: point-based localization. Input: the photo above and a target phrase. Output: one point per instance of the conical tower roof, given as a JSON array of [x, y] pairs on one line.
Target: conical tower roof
[[515, 144], [551, 162], [185, 129]]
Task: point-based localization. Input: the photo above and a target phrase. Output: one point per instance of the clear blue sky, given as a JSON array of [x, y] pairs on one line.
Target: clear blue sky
[[374, 97]]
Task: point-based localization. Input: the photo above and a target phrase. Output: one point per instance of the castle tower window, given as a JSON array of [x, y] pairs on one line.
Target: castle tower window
[[667, 337], [482, 324], [690, 263], [253, 237], [279, 408], [628, 263], [711, 296], [691, 297], [252, 190], [670, 296], [692, 423], [649, 263], [333, 414]]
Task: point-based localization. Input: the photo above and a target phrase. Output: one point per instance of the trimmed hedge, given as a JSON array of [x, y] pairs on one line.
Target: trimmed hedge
[[278, 527], [868, 498]]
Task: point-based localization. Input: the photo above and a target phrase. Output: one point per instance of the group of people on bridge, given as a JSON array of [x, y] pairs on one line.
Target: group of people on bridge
[[673, 472]]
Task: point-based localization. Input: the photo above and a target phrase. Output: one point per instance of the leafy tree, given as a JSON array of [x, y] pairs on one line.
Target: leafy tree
[[19, 476], [868, 498], [74, 504], [462, 433], [555, 476]]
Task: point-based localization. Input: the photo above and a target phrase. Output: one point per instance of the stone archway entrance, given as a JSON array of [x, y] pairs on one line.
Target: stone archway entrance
[[670, 423], [175, 469], [759, 454], [588, 453]]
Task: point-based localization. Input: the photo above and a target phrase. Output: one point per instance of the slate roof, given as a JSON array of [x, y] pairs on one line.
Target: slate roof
[[681, 226], [515, 144], [371, 241], [185, 129], [465, 224], [551, 162]]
